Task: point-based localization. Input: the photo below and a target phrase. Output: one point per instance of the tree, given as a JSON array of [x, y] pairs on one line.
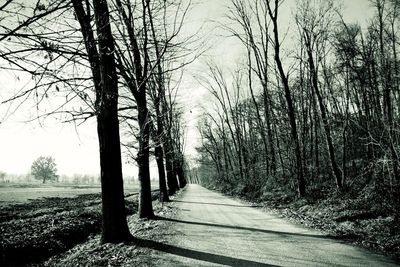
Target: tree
[[36, 46], [44, 168], [114, 225], [273, 14], [315, 25], [142, 46], [2, 176], [254, 23]]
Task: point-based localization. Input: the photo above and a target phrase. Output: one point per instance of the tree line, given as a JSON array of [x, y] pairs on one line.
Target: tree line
[[319, 115], [117, 61]]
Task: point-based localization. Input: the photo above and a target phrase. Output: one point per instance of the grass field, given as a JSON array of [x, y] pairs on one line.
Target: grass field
[[16, 193]]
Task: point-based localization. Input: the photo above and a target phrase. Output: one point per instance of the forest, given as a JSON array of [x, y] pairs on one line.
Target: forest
[[321, 121], [305, 123]]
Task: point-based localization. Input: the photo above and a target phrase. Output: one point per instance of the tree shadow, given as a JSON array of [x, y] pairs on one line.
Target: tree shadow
[[250, 229], [197, 255], [218, 204]]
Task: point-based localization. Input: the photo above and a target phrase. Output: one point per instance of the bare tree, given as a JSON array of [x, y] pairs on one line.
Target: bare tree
[[115, 227], [314, 24], [273, 9]]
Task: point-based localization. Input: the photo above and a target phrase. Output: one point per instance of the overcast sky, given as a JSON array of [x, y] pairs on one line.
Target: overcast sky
[[76, 149]]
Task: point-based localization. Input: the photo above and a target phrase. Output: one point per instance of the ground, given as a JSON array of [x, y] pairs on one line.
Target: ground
[[211, 229], [200, 228], [40, 221]]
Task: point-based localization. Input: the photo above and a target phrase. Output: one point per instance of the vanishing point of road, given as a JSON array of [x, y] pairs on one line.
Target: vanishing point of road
[[214, 230]]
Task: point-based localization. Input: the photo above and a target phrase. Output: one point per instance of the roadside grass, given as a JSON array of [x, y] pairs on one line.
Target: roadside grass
[[34, 231]]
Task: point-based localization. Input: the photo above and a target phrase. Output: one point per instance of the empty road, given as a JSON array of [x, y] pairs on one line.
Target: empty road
[[215, 230]]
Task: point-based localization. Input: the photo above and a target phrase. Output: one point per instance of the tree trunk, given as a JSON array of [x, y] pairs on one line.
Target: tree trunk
[[161, 174], [267, 114], [115, 227], [301, 185], [160, 124], [324, 117], [145, 200], [114, 224], [181, 175], [171, 175], [169, 153]]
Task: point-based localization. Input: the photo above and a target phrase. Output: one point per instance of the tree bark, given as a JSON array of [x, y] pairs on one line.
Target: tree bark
[[145, 201], [324, 117], [169, 153], [181, 175], [301, 186], [114, 225], [161, 174]]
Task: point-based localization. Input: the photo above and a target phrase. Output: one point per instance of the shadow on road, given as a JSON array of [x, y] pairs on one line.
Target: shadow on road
[[249, 229], [218, 204], [197, 255]]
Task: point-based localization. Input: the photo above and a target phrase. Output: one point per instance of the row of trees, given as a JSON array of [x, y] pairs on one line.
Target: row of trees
[[326, 116], [115, 61]]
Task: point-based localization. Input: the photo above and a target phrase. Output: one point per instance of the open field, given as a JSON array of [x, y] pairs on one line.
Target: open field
[[23, 192], [41, 221]]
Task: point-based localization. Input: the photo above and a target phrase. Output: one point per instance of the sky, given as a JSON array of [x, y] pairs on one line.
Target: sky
[[75, 148]]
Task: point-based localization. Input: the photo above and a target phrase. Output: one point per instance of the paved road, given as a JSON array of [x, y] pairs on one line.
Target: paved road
[[214, 230]]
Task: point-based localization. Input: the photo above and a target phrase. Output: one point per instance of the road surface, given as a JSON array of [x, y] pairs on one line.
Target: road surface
[[214, 230]]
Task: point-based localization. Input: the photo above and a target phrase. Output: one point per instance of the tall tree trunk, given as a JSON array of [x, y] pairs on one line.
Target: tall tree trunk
[[169, 166], [114, 224], [115, 228], [145, 201], [161, 173], [268, 113], [324, 117], [160, 93], [180, 171], [172, 182], [260, 124], [301, 185]]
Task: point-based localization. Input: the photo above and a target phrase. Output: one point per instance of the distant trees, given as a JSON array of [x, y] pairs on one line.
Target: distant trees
[[44, 169], [2, 176]]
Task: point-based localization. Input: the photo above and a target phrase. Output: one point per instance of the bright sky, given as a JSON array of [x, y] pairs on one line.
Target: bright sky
[[76, 149]]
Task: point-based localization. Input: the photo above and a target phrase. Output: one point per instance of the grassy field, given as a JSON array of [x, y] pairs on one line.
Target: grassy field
[[39, 221], [16, 193]]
